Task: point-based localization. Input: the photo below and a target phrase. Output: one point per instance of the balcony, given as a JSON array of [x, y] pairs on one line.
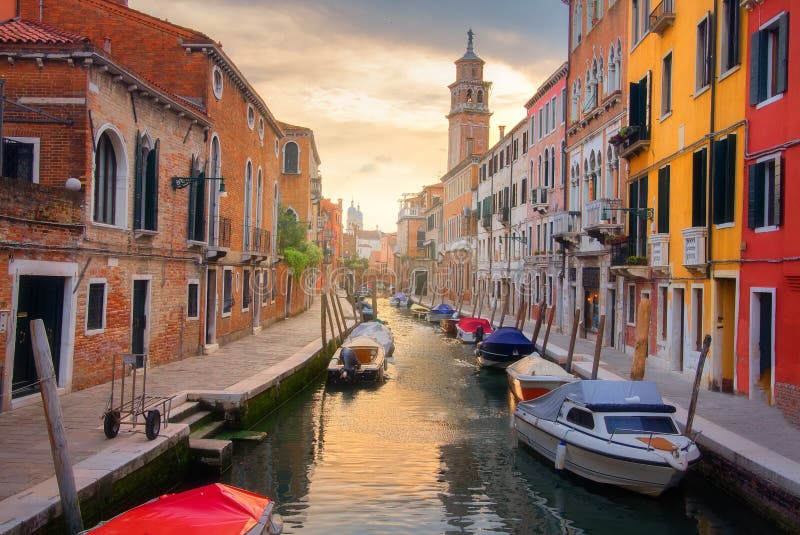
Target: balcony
[[408, 211], [625, 263], [486, 221], [602, 218], [541, 259], [659, 254], [694, 249], [631, 140], [539, 199], [566, 226], [662, 17], [260, 242], [503, 215], [219, 238], [316, 189]]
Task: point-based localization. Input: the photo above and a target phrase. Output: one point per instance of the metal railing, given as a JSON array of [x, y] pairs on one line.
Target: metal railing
[[602, 212], [662, 16], [566, 223]]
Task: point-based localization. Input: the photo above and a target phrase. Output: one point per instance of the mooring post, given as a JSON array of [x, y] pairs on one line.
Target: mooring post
[[55, 427], [503, 312], [598, 345], [642, 334], [494, 309], [701, 362], [575, 321], [547, 331], [375, 301], [538, 325], [341, 311], [331, 299], [480, 304], [323, 320]]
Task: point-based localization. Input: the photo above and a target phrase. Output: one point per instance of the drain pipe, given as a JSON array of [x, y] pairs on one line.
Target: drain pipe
[[711, 159]]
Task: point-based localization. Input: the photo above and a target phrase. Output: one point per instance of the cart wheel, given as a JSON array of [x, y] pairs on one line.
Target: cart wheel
[[111, 424], [152, 424]]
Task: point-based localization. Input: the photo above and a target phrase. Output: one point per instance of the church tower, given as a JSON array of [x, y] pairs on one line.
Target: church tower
[[469, 108]]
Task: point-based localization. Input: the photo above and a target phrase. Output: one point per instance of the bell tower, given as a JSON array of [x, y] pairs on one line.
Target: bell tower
[[469, 108]]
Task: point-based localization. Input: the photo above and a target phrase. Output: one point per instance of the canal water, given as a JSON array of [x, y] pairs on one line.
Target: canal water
[[432, 450]]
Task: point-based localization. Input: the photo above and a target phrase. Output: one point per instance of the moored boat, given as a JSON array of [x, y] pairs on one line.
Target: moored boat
[[440, 312], [469, 330], [613, 432], [399, 300], [360, 359], [533, 376], [502, 347], [217, 508], [375, 330]]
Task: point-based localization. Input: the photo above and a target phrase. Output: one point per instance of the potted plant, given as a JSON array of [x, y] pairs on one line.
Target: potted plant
[[636, 260], [624, 133]]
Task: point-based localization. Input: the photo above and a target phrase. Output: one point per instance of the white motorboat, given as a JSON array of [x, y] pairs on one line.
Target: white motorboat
[[613, 432], [398, 300], [365, 361], [534, 376]]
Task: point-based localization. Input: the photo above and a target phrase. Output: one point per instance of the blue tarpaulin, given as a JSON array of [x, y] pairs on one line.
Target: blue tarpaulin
[[444, 308]]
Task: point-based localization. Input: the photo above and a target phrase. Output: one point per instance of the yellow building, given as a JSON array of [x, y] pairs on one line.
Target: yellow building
[[685, 147]]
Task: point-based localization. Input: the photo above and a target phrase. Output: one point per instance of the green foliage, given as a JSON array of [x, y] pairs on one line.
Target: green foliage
[[636, 261], [291, 233], [356, 263], [297, 260]]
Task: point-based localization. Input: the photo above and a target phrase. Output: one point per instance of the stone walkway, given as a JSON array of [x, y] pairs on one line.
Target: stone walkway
[[25, 454], [753, 420]]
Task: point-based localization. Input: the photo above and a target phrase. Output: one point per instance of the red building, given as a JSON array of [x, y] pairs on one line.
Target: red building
[[331, 238], [769, 289]]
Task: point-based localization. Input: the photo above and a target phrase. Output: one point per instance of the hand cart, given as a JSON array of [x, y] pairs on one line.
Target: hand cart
[[139, 408]]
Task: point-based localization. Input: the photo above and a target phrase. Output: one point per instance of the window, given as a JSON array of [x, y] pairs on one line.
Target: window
[[769, 55], [637, 198], [666, 84], [640, 424], [96, 306], [263, 289], [764, 195], [577, 24], [729, 41], [291, 157], [197, 188], [108, 192], [631, 304], [246, 290], [261, 128], [579, 416], [217, 81], [524, 191], [699, 173], [663, 200], [552, 167], [524, 142], [548, 119], [227, 291], [696, 339], [703, 55], [723, 180], [251, 117], [662, 301], [21, 158], [193, 299], [640, 20], [145, 187]]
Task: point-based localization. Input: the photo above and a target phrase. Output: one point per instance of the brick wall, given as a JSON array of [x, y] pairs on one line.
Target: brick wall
[[787, 397]]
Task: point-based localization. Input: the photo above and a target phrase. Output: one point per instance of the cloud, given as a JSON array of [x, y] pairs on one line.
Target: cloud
[[370, 76]]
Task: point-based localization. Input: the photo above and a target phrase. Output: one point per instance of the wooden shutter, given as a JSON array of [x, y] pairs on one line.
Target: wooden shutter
[[642, 227], [778, 196], [151, 189], [781, 63], [755, 187], [718, 181], [730, 179], [699, 174], [755, 67], [633, 221], [633, 105], [192, 203], [138, 184], [663, 200]]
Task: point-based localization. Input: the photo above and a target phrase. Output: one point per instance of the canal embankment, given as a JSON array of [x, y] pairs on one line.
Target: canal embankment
[[238, 384], [750, 449]]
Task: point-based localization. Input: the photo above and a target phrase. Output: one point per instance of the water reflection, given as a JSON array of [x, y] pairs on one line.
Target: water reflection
[[432, 451]]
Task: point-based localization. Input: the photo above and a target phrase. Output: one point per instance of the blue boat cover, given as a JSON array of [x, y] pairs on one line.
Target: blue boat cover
[[400, 295], [444, 308], [507, 335], [597, 395]]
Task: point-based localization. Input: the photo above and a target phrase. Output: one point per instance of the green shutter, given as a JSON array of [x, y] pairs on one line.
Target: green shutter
[[663, 200], [781, 76], [137, 183], [633, 221], [755, 206], [633, 104], [699, 174], [730, 179], [151, 189], [718, 181], [778, 197], [755, 57], [192, 204]]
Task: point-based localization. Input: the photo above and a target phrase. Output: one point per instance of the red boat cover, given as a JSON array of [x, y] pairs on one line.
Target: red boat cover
[[470, 324], [216, 508]]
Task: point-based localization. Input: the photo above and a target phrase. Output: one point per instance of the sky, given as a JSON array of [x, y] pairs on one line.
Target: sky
[[370, 77]]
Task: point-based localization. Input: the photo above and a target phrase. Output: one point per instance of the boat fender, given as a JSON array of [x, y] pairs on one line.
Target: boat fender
[[676, 459], [561, 455]]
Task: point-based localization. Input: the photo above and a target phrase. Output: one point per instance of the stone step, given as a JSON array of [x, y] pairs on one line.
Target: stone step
[[197, 419], [209, 429], [179, 412], [215, 455]]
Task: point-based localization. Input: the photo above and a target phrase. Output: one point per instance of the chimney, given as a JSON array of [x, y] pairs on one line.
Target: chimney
[[502, 129], [9, 9]]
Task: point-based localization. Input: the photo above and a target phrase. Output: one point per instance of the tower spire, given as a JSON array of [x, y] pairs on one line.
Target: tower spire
[[470, 35]]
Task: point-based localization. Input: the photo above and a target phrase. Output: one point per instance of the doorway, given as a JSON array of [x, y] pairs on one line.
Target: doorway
[[726, 330], [288, 307], [611, 312], [39, 297], [762, 342], [678, 329], [139, 324], [211, 307]]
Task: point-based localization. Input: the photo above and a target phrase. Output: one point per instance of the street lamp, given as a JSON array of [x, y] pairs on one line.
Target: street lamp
[[180, 182]]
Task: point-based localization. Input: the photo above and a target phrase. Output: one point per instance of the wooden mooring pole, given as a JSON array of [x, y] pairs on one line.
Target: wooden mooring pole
[[538, 325], [322, 318], [547, 331], [698, 376], [598, 345], [642, 334], [494, 309], [55, 427], [331, 300], [575, 321]]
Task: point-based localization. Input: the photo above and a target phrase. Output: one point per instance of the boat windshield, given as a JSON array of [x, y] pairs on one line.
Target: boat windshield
[[639, 424]]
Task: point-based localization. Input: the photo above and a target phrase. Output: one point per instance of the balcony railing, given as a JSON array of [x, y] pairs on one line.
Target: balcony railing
[[694, 247], [486, 221], [602, 214], [260, 241], [539, 197], [659, 250], [503, 215], [566, 224], [662, 17], [197, 229], [412, 211], [620, 253], [220, 237]]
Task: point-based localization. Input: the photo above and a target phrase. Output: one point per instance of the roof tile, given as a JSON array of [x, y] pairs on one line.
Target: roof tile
[[24, 31]]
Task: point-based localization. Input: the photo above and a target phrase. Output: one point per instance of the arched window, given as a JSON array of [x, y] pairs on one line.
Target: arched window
[[577, 24], [292, 212], [612, 71], [259, 198], [539, 171], [469, 95], [480, 97], [546, 177], [291, 158], [145, 186], [105, 181], [248, 204], [552, 167]]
